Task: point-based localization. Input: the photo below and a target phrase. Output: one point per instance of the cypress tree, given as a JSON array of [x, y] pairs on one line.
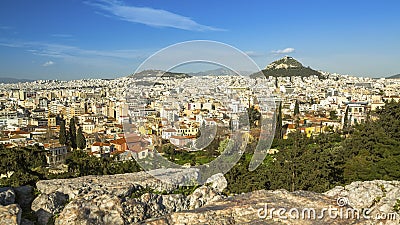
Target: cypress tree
[[80, 139], [296, 108], [278, 130], [72, 133], [346, 118], [63, 133]]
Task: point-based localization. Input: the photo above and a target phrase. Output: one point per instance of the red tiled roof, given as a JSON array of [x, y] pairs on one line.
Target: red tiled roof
[[183, 137], [136, 148], [120, 141], [100, 144]]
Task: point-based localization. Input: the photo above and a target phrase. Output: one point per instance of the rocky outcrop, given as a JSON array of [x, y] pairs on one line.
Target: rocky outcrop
[[108, 209], [10, 214], [103, 209], [142, 199], [48, 205], [381, 198], [83, 195], [202, 196], [370, 202], [260, 207], [118, 185], [217, 182]]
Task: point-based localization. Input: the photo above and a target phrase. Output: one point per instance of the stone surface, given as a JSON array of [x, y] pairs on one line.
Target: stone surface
[[7, 196], [119, 184], [245, 209], [106, 209], [47, 205], [379, 196], [85, 190], [102, 209], [217, 182], [10, 214], [141, 198], [202, 196]]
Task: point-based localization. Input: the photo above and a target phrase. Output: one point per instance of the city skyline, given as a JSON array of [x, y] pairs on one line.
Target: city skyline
[[109, 39]]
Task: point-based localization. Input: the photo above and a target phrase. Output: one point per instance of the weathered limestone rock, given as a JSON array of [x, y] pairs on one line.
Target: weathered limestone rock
[[202, 196], [7, 196], [55, 193], [217, 182], [47, 205], [151, 205], [106, 209], [379, 196], [92, 209], [10, 214], [119, 184], [245, 209], [140, 198]]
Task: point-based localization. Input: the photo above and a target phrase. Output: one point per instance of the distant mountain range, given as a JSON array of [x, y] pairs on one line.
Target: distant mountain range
[[8, 80], [397, 76], [287, 67], [219, 72], [158, 73]]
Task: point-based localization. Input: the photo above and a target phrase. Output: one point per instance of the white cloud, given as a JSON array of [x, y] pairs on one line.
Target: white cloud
[[107, 59], [253, 53], [48, 63], [149, 16], [284, 51], [68, 51]]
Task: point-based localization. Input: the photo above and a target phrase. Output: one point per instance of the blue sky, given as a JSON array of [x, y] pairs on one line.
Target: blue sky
[[73, 39]]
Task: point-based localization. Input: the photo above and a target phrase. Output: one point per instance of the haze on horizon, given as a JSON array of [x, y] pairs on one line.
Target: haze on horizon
[[107, 39]]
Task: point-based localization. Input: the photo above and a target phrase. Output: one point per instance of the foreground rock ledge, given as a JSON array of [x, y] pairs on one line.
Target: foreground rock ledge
[[244, 209], [109, 200], [380, 197]]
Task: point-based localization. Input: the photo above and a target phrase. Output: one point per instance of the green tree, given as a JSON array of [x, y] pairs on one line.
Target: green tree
[[302, 163], [346, 119], [169, 150], [373, 149], [333, 115], [240, 179], [72, 133], [278, 129], [254, 116], [63, 133], [81, 164], [26, 164], [296, 108], [80, 139]]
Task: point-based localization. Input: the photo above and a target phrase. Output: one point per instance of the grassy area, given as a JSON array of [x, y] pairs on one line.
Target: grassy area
[[192, 158]]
